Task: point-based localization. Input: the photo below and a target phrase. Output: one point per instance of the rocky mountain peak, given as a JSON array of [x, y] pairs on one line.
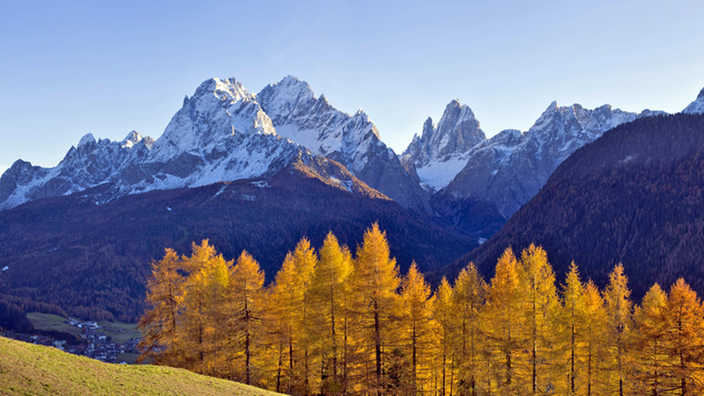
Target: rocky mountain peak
[[440, 151], [86, 140], [696, 107], [226, 89]]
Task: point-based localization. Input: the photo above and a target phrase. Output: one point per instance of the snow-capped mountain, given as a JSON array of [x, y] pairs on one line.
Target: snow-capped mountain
[[440, 152], [220, 134], [87, 165], [696, 107], [351, 140], [509, 169]]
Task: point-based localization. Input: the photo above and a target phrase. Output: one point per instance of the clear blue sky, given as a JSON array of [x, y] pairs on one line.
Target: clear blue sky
[[68, 68]]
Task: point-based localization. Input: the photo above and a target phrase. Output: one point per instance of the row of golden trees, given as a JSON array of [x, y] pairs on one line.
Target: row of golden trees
[[332, 323]]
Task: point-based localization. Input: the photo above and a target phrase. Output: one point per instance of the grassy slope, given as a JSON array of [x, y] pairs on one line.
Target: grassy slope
[[44, 321], [27, 369]]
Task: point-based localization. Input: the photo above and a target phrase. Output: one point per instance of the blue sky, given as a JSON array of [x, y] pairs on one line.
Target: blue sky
[[68, 68]]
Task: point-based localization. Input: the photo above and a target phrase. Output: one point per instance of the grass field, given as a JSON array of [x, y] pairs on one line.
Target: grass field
[[112, 329], [42, 321], [27, 369]]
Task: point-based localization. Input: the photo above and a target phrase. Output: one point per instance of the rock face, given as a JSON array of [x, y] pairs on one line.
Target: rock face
[[440, 152], [509, 169], [632, 196], [220, 134], [351, 140], [696, 107], [87, 165]]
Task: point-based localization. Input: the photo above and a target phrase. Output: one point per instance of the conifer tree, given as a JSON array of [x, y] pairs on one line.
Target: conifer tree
[[618, 308], [330, 292], [647, 342], [540, 309], [205, 291], [470, 294], [306, 260], [506, 341], [416, 303], [595, 335], [245, 310], [445, 318], [574, 333], [284, 310], [375, 280], [160, 323], [684, 339]]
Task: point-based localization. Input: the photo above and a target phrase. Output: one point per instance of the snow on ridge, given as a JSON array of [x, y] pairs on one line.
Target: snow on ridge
[[509, 168], [697, 106], [220, 134], [86, 139]]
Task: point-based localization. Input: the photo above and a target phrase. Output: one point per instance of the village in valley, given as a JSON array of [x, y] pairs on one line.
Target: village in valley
[[107, 342]]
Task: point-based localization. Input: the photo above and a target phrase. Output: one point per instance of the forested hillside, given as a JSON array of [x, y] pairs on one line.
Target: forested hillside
[[636, 196], [337, 323], [70, 256]]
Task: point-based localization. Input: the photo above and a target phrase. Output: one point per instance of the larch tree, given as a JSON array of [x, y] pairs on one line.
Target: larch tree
[[375, 282], [647, 342], [417, 337], [160, 323], [619, 310], [245, 310], [284, 303], [541, 309], [572, 329], [504, 327], [445, 317], [685, 339], [330, 293], [306, 260], [205, 292], [470, 295], [595, 335]]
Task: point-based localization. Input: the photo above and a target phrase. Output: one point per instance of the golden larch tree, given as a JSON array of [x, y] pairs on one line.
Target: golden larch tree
[[330, 293], [685, 339], [647, 342], [504, 328], [619, 309], [375, 299], [470, 295], [245, 310], [160, 323], [540, 309]]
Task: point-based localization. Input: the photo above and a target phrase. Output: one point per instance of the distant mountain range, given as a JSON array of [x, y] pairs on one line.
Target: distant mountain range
[[260, 171], [225, 133], [632, 196]]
